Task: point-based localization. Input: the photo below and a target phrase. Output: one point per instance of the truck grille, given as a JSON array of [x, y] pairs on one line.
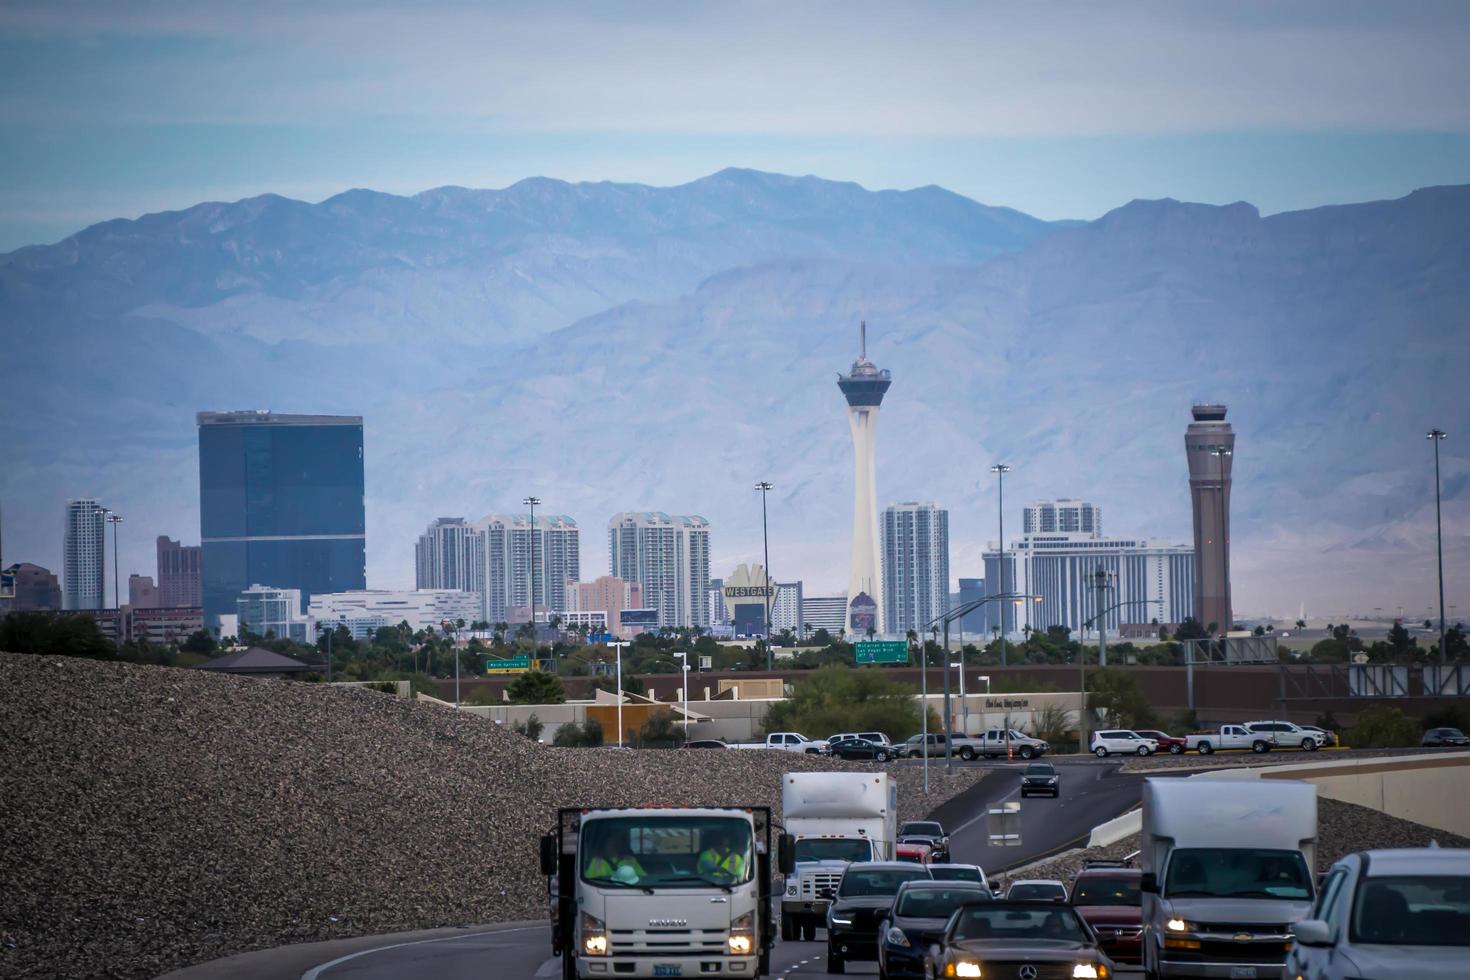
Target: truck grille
[[667, 942], [813, 885]]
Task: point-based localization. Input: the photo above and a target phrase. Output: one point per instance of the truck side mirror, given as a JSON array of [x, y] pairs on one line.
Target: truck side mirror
[[548, 854], [786, 854], [1149, 883]]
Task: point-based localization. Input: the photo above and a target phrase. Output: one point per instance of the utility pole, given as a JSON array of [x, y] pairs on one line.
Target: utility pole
[[1000, 470], [115, 520], [924, 709], [763, 487], [1100, 580], [618, 646], [1436, 436]]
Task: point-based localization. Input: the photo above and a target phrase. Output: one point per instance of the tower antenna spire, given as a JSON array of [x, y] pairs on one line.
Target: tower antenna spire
[[862, 338]]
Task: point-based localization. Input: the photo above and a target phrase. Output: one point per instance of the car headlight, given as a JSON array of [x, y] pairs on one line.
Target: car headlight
[[896, 936], [966, 968], [1088, 971], [594, 936], [742, 935], [1177, 925]]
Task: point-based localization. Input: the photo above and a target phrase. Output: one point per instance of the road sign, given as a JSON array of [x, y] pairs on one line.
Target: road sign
[[510, 665], [882, 652]]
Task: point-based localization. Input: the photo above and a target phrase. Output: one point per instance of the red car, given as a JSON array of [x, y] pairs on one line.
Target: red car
[[914, 853], [1106, 896], [1175, 746]]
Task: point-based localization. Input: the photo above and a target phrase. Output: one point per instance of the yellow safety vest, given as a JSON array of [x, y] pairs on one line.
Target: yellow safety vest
[[732, 864], [600, 867]]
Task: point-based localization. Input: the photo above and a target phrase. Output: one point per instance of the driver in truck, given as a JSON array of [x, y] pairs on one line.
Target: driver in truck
[[719, 861], [610, 863]]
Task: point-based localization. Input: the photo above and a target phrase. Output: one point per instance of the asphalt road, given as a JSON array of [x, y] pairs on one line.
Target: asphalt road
[[1091, 794]]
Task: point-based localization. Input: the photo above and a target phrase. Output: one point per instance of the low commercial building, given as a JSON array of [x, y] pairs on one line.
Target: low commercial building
[[420, 608], [268, 611]]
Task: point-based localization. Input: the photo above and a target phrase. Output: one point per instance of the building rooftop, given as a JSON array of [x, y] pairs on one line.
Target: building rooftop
[[1209, 413], [264, 416]]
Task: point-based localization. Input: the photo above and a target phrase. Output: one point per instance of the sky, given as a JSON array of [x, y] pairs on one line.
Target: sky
[[1062, 110]]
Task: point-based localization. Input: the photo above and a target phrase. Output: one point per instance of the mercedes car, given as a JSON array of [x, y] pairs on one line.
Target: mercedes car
[[1033, 940]]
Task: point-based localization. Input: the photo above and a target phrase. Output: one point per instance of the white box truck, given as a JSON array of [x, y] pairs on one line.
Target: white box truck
[[834, 819], [1227, 872]]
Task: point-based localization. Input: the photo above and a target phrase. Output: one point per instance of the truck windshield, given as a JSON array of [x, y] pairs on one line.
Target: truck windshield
[[1237, 873], [666, 852], [833, 849]]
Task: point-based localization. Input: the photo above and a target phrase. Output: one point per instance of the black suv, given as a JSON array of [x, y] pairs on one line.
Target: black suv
[[860, 908], [926, 832], [1041, 779]]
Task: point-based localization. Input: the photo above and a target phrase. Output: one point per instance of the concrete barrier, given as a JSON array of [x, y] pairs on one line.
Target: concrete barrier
[[1116, 829]]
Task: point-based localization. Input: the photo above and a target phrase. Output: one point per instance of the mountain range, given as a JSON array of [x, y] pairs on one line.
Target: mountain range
[[614, 346]]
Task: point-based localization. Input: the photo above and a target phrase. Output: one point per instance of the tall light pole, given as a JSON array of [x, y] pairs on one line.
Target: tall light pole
[[618, 645], [1000, 470], [764, 486], [1100, 581], [685, 691], [923, 705], [1220, 452], [1435, 436], [531, 502]]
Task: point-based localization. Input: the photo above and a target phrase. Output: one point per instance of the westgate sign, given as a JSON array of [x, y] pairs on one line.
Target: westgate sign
[[747, 591]]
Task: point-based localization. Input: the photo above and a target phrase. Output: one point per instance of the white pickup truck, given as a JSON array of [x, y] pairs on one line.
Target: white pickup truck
[[1228, 737], [787, 742]]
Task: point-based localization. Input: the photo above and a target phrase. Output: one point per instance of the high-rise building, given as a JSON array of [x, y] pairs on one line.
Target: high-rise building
[[275, 613], [369, 609], [1145, 579], [975, 621], [915, 565], [280, 501], [36, 590], [84, 557], [787, 608], [606, 594], [825, 612], [1209, 445], [1063, 516], [669, 557], [509, 542], [142, 593], [719, 615], [864, 387], [180, 582], [451, 555]]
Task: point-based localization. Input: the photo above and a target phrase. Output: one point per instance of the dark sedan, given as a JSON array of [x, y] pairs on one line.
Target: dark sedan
[[917, 921], [863, 901], [1018, 939], [1440, 737], [861, 748], [1041, 779]]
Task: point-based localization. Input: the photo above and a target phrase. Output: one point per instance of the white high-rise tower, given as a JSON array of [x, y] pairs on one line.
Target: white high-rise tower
[[864, 387]]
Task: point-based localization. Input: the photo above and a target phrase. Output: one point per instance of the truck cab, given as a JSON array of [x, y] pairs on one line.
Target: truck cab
[[833, 819], [661, 891]]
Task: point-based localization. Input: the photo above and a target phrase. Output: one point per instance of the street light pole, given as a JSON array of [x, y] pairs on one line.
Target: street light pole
[[618, 646], [763, 487], [943, 722], [1435, 436], [1100, 580], [684, 657], [531, 502], [1000, 470], [924, 709]]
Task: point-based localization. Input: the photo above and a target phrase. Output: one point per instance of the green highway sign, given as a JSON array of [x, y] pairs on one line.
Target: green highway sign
[[522, 662], [882, 652]]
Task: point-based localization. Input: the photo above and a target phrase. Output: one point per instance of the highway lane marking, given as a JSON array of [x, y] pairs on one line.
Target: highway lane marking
[[317, 971]]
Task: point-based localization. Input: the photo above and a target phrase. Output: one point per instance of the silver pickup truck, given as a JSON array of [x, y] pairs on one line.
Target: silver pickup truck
[[991, 744]]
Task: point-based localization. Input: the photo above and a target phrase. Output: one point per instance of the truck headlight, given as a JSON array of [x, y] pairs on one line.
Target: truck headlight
[[1177, 925], [742, 935], [594, 936], [897, 937]]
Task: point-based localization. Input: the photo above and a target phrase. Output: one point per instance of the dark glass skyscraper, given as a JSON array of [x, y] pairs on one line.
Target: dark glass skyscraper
[[280, 504]]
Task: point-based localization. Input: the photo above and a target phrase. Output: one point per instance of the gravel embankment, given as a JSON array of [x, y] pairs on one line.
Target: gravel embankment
[[1342, 829], [152, 818]]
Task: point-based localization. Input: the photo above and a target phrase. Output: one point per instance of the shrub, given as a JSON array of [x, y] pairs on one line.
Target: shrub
[[1116, 692], [1383, 728], [838, 698], [58, 636], [531, 727], [573, 735], [537, 687], [387, 687], [660, 730], [1053, 723]]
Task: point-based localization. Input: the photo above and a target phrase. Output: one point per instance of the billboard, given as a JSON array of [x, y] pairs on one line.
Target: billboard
[[639, 620], [862, 613]]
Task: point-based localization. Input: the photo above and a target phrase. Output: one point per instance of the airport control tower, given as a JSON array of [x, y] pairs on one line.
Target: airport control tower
[[864, 387], [1209, 444]]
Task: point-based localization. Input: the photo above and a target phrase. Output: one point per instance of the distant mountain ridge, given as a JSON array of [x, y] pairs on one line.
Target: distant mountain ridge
[[615, 346]]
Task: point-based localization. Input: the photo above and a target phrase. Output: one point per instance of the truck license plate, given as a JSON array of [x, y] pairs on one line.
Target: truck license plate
[[677, 970], [1242, 973]]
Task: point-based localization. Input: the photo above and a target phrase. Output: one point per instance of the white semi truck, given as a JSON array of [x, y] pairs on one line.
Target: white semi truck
[[833, 819], [662, 891]]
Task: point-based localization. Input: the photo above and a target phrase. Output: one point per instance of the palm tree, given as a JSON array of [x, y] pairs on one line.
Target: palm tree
[[871, 632]]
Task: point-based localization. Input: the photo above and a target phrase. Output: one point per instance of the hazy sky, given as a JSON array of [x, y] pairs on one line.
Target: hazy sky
[[1062, 110]]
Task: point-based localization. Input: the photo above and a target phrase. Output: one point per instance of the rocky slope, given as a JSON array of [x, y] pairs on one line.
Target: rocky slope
[[151, 818]]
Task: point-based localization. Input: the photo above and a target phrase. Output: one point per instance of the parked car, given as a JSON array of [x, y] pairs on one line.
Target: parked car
[[920, 911], [1391, 913], [1328, 739], [1441, 737], [861, 748], [862, 903], [1040, 779], [1166, 742], [786, 742], [917, 746], [870, 736], [1286, 735], [1017, 939], [705, 743], [913, 852], [1229, 737], [1107, 898], [929, 832], [1036, 890], [998, 742], [959, 872], [1121, 741]]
